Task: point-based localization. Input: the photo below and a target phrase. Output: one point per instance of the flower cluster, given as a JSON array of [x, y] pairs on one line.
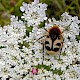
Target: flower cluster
[[34, 13], [70, 55], [21, 56]]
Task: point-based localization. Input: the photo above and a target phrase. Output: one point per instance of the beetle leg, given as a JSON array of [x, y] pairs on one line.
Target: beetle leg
[[43, 54]]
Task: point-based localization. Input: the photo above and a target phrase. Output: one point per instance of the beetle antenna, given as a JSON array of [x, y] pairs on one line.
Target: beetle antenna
[[45, 29], [41, 37]]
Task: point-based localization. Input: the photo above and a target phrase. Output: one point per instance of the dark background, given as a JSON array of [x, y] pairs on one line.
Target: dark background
[[55, 8]]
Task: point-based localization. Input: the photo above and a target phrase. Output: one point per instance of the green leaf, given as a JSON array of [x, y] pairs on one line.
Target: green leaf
[[28, 29], [78, 37], [64, 54], [57, 71], [48, 68], [42, 24], [2, 47]]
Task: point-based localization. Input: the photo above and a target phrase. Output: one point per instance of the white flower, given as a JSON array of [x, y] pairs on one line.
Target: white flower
[[34, 13], [78, 46], [66, 19], [17, 58], [36, 1], [57, 77]]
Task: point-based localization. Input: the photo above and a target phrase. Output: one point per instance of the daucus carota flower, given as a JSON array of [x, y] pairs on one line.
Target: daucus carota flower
[[21, 56], [34, 13]]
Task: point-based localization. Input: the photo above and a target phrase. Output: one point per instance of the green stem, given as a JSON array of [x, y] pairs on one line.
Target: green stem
[[17, 4]]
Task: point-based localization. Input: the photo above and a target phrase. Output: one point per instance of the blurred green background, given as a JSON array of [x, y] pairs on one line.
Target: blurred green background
[[55, 8]]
